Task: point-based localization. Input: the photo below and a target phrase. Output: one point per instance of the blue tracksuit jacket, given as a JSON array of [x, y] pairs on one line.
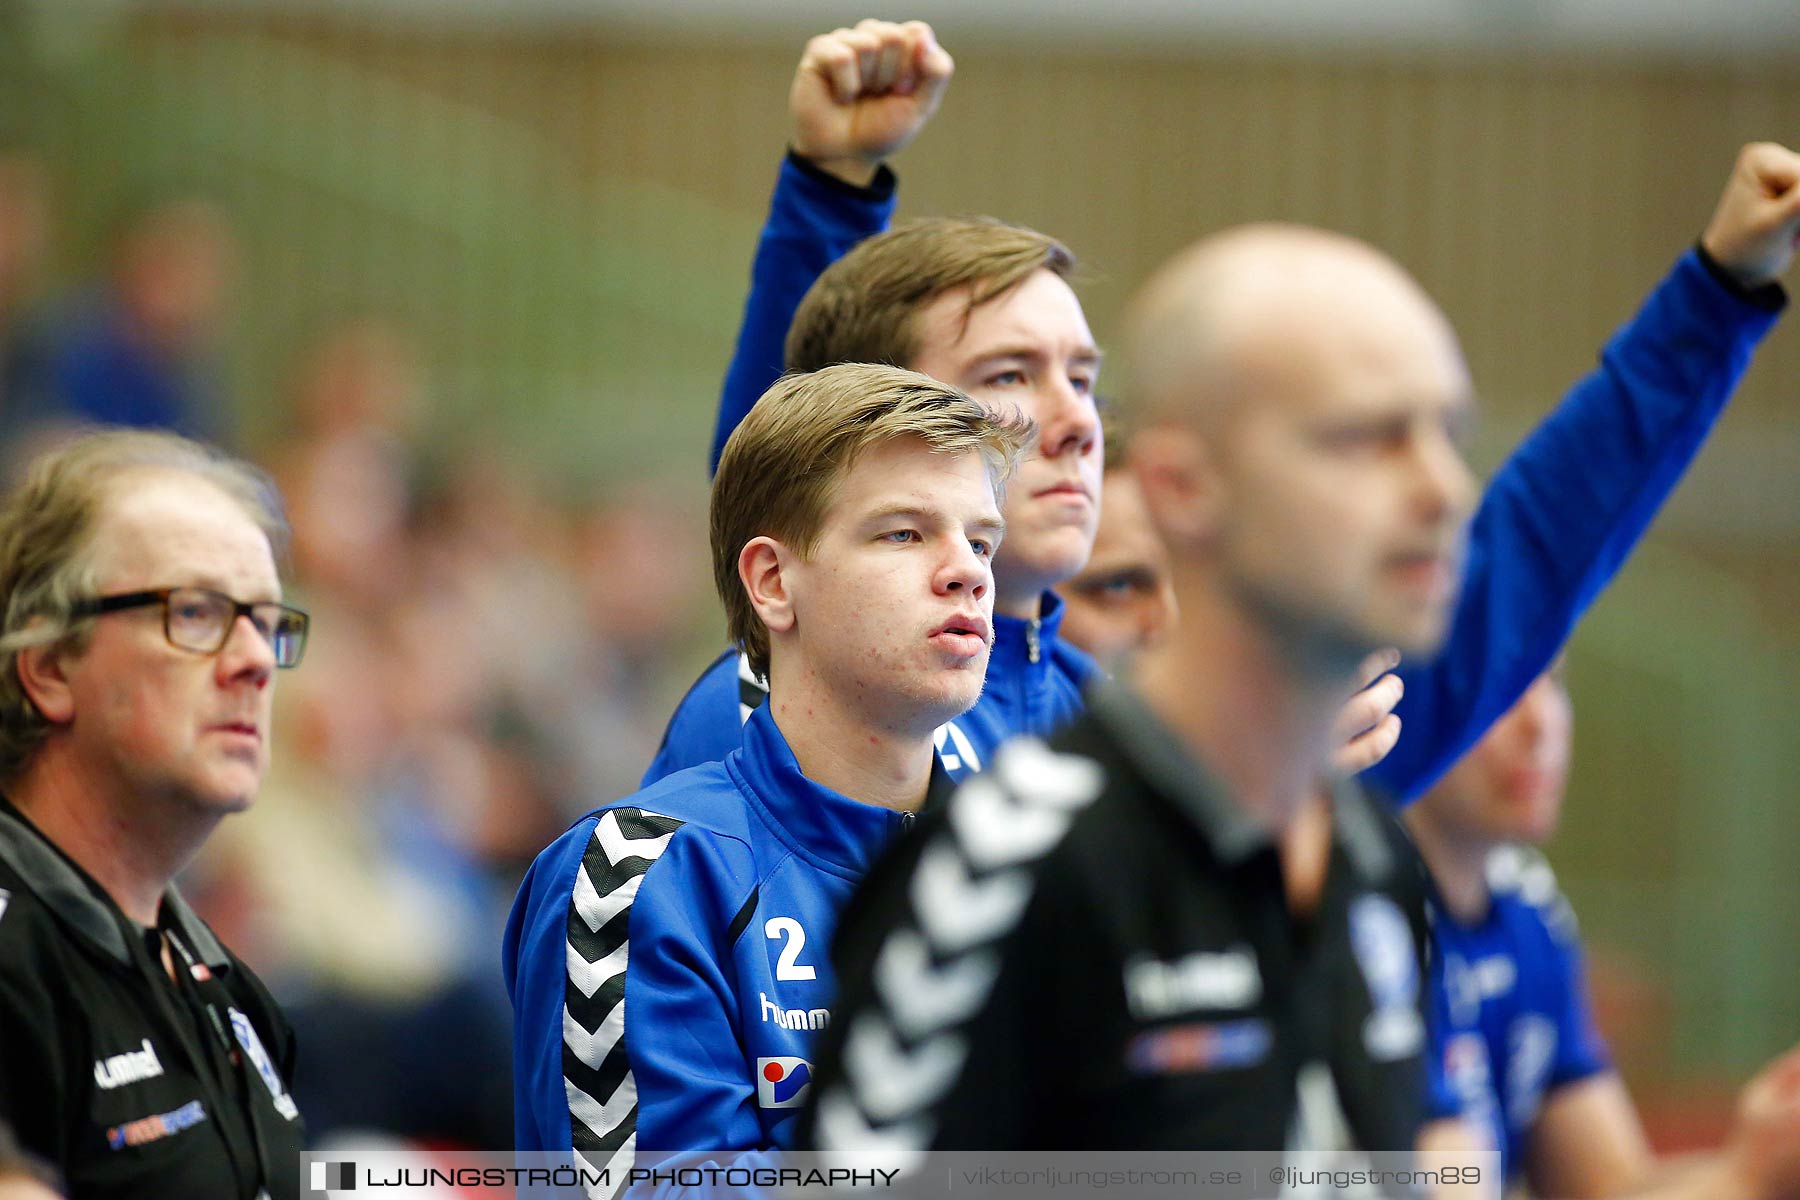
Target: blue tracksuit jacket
[[668, 964], [1511, 1020]]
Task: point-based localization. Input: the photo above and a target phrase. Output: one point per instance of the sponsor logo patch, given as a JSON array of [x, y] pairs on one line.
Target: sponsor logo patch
[[1470, 1078], [1199, 1046], [1384, 949], [782, 1082], [156, 1127], [265, 1066], [1472, 984]]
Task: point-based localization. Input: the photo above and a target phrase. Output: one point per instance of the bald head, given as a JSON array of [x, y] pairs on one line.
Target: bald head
[[1246, 310], [1302, 398]]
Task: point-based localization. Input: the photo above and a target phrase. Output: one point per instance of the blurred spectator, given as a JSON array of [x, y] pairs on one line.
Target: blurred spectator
[[640, 577], [495, 662], [347, 463], [1123, 602], [140, 351], [371, 918], [24, 240]]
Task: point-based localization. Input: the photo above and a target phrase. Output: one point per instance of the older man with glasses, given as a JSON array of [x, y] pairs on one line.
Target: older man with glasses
[[141, 626]]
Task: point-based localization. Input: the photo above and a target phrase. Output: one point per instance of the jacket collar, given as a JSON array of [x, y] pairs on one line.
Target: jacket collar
[[80, 903], [1172, 769], [1356, 828], [1168, 764], [825, 827], [1010, 657]]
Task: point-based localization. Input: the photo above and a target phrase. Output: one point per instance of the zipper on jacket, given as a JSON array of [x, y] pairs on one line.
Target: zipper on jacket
[[1031, 640]]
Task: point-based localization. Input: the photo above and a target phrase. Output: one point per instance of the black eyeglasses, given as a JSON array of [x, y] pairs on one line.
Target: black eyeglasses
[[200, 619]]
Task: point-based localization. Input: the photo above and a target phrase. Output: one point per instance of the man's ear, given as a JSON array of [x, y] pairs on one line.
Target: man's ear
[[1180, 479], [44, 677], [760, 570]]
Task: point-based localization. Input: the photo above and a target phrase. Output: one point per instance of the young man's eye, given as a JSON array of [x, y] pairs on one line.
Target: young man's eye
[[982, 547], [1005, 379], [901, 536]]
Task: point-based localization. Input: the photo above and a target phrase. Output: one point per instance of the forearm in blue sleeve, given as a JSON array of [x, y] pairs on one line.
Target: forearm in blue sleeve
[[813, 221], [1565, 509]]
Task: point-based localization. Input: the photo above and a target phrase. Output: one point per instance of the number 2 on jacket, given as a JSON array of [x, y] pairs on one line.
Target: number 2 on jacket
[[788, 966]]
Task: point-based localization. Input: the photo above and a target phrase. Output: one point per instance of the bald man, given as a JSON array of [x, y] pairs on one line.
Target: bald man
[[1138, 878]]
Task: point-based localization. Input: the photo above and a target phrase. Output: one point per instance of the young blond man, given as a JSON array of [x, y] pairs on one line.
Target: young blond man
[[987, 308], [666, 956]]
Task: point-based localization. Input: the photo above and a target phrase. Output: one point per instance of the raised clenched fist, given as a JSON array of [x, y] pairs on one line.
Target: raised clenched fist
[[861, 94], [1752, 233]]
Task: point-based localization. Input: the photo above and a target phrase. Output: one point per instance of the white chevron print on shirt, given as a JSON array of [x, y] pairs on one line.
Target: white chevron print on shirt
[[936, 970], [596, 1073]]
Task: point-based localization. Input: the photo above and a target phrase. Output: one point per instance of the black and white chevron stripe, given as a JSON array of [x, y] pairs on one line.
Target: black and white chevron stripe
[[936, 968], [753, 689], [596, 1073]]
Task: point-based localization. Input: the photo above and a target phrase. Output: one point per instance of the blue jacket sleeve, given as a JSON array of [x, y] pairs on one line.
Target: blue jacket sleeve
[[533, 955], [813, 220], [1580, 1049], [625, 1045], [1565, 509], [697, 1104]]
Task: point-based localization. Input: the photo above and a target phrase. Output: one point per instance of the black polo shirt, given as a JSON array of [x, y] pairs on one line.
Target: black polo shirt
[[1090, 948], [133, 1084]]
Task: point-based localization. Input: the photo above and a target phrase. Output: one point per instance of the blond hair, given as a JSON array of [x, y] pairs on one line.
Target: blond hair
[[864, 307], [46, 531], [781, 467]]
